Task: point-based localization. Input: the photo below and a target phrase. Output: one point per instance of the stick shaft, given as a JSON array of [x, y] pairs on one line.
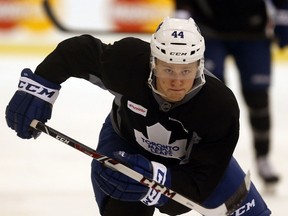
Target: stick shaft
[[115, 165]]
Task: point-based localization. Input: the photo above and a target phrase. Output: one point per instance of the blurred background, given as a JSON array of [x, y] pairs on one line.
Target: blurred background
[[25, 25], [45, 177], [37, 26]]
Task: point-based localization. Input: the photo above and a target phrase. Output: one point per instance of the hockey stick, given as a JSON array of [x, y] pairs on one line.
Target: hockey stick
[[224, 209], [61, 26]]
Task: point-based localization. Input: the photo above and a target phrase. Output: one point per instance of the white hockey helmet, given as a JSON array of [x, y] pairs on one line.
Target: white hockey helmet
[[177, 41]]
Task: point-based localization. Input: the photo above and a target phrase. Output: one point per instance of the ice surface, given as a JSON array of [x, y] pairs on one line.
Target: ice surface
[[45, 177]]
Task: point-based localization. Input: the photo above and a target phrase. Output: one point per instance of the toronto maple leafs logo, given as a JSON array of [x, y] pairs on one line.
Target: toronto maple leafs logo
[[157, 142]]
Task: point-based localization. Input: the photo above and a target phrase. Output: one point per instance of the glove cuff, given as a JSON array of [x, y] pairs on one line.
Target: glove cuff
[[159, 175], [38, 86]]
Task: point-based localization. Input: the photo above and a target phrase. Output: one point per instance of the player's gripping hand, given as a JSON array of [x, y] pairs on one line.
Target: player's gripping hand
[[33, 100], [122, 187]]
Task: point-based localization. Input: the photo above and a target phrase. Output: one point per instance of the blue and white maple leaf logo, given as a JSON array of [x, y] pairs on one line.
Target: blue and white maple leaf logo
[[157, 142]]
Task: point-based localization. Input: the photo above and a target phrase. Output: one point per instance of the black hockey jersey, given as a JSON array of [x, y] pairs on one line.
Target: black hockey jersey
[[195, 138]]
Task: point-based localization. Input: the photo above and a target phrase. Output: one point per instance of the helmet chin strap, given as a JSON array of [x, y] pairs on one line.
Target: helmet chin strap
[[150, 79], [150, 83]]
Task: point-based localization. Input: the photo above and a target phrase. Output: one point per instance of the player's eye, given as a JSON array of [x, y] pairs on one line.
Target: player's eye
[[168, 71], [186, 73]]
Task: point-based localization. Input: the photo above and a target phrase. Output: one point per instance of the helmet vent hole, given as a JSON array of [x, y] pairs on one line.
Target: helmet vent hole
[[178, 44]]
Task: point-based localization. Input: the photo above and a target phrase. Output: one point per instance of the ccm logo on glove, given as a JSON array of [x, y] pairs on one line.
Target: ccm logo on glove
[[159, 175], [34, 88]]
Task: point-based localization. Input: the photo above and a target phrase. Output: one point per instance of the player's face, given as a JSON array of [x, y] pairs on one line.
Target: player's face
[[175, 80]]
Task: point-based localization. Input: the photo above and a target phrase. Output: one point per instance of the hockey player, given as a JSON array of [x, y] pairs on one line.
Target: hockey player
[[171, 120], [243, 29]]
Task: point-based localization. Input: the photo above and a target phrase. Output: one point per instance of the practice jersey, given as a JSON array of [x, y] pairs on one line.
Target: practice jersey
[[195, 137]]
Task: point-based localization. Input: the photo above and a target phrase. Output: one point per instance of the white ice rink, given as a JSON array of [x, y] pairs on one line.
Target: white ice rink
[[44, 177]]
